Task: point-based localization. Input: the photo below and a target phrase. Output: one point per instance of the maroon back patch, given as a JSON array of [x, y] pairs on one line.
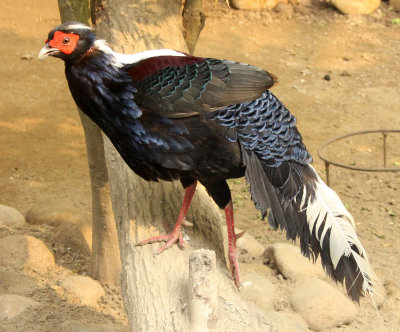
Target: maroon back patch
[[150, 66]]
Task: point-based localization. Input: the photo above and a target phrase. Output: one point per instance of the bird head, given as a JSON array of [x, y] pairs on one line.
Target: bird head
[[68, 41]]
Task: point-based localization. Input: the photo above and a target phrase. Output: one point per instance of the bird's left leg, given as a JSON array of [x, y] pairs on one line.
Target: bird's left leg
[[176, 234]]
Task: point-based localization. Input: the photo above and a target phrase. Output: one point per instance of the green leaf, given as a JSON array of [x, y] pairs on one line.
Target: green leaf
[[396, 20], [245, 189], [377, 235]]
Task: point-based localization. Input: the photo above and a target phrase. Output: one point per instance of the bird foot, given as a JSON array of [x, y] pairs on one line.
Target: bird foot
[[234, 267], [170, 239], [176, 234]]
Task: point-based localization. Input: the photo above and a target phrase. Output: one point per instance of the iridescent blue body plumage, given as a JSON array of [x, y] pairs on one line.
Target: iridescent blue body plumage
[[266, 127]]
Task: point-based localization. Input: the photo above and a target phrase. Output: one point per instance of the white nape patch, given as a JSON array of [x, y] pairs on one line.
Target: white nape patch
[[78, 26], [127, 59]]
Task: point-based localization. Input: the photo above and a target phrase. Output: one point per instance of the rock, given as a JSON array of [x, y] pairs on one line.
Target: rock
[[286, 321], [305, 72], [356, 7], [12, 305], [87, 290], [257, 289], [53, 214], [395, 4], [255, 4], [300, 2], [27, 57], [10, 216], [291, 263], [25, 253], [76, 326], [250, 245], [284, 9], [321, 305], [16, 283], [76, 236]]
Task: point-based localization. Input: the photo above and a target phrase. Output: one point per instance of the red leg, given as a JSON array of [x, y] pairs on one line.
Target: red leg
[[176, 234], [232, 237]]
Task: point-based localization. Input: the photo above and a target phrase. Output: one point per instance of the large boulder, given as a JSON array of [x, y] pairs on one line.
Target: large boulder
[[13, 282], [291, 263], [77, 326], [76, 236], [356, 7], [255, 4], [25, 253], [256, 288], [249, 245], [85, 289], [12, 305], [53, 213], [10, 216], [395, 4], [286, 321], [321, 305]]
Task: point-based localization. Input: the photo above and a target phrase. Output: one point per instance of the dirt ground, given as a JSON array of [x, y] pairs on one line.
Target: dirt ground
[[43, 155]]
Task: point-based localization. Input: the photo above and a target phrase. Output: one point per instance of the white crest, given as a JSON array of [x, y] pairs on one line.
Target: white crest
[[78, 26]]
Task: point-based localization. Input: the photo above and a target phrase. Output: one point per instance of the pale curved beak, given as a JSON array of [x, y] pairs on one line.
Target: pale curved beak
[[46, 51]]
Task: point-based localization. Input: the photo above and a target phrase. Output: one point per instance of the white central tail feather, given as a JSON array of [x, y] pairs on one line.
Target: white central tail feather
[[325, 209]]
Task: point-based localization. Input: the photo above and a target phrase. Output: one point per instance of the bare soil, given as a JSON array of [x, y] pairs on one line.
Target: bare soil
[[43, 155]]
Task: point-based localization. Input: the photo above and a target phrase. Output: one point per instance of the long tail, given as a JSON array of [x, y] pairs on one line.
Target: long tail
[[302, 204]]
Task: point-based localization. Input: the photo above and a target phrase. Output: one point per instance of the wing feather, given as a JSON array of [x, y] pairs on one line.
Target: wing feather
[[210, 83]]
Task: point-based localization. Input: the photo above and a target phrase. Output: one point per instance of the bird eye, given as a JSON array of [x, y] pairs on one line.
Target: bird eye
[[66, 40]]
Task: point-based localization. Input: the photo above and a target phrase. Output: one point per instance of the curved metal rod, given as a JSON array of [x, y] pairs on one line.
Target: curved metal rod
[[328, 162]]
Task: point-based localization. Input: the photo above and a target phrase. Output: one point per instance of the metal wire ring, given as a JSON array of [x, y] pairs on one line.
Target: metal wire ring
[[328, 162]]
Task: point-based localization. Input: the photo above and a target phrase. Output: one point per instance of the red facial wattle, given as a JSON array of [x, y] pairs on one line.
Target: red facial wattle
[[65, 42]]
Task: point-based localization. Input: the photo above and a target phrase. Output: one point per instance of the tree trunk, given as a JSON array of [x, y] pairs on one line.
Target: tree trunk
[[156, 289], [106, 264], [193, 22]]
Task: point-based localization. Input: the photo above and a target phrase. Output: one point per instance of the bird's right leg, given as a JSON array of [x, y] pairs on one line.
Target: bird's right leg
[[232, 238], [176, 234]]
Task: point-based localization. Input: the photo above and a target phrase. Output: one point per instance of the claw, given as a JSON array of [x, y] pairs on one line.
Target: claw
[[187, 223], [177, 237], [239, 235]]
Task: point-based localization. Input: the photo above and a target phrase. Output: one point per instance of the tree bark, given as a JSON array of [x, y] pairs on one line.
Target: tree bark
[[106, 261], [193, 22], [156, 289], [202, 290], [106, 264]]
